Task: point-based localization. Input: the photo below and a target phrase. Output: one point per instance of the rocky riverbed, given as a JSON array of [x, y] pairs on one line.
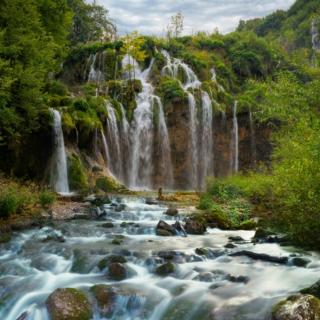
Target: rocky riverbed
[[132, 258]]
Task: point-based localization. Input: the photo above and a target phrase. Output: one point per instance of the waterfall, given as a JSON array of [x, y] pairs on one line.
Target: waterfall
[[125, 145], [207, 152], [253, 145], [234, 159], [95, 74], [315, 39], [193, 142], [164, 146], [141, 167], [113, 143], [59, 170], [201, 132]]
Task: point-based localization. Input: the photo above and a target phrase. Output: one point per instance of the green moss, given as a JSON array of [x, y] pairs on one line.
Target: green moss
[[67, 123], [170, 90], [107, 184], [46, 198], [77, 175], [247, 225]]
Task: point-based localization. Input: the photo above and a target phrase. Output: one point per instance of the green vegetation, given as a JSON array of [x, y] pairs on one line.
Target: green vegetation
[[77, 175]]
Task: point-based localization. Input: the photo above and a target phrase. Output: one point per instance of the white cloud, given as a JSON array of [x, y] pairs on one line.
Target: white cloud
[[152, 16]]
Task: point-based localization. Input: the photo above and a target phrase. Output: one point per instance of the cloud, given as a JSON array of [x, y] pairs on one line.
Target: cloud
[[152, 16]]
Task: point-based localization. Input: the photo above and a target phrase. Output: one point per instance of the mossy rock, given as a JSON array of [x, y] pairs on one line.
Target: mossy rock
[[106, 298], [247, 225], [107, 184], [313, 290], [111, 259], [165, 269], [77, 175], [306, 307], [69, 304], [170, 90]]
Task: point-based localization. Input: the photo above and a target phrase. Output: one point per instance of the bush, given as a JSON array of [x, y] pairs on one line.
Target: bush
[[46, 198], [77, 176], [9, 204], [106, 184], [170, 89]]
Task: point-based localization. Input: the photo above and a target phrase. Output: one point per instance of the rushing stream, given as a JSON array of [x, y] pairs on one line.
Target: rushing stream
[[217, 287]]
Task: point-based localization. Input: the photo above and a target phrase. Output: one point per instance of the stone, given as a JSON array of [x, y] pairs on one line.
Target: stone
[[165, 269], [117, 271], [107, 225], [202, 251], [5, 237], [194, 227], [230, 246], [164, 229], [172, 212], [237, 279], [300, 262], [299, 307], [313, 290], [111, 259], [151, 201], [236, 238], [68, 304], [260, 256]]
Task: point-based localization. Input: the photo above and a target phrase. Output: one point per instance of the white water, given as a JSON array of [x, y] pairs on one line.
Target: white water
[[207, 151], [32, 268], [95, 74], [234, 160], [201, 151], [113, 143], [315, 38], [59, 170]]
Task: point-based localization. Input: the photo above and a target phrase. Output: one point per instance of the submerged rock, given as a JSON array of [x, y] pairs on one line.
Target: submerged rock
[[111, 259], [194, 227], [202, 251], [68, 304], [151, 201], [260, 256], [172, 212], [107, 225], [165, 269], [106, 298], [299, 261], [300, 307], [236, 238], [164, 229], [117, 271]]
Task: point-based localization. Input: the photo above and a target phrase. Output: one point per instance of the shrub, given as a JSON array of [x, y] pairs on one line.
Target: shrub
[[46, 198], [106, 184], [77, 175], [170, 89], [9, 204]]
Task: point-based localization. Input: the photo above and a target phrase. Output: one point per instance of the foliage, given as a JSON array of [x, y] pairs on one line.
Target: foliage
[[106, 184], [175, 27], [46, 198], [76, 173], [170, 89]]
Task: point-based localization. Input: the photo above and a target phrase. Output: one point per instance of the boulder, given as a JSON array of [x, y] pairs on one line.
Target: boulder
[[314, 290], [172, 212], [151, 201], [300, 262], [164, 229], [194, 227], [107, 225], [202, 251], [117, 271], [111, 259], [165, 269], [299, 307], [68, 304], [236, 238]]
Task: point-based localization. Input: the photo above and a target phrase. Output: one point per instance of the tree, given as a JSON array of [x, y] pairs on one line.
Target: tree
[[90, 22], [175, 28], [132, 46]]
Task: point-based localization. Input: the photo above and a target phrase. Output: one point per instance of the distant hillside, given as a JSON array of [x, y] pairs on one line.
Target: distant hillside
[[292, 27]]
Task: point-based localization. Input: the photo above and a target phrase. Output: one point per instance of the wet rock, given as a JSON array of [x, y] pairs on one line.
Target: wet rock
[[23, 316], [107, 225], [194, 227], [300, 307], [172, 212], [165, 269], [106, 298], [313, 290], [299, 261], [202, 251], [177, 225], [68, 304], [117, 271], [260, 256], [176, 256], [236, 239], [204, 277], [237, 279], [111, 259], [151, 201], [120, 207], [164, 229], [99, 201], [230, 246]]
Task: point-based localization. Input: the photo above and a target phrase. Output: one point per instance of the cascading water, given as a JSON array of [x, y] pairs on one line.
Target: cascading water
[[201, 132], [315, 38], [59, 170], [207, 151], [95, 73], [219, 285], [125, 145], [164, 146], [234, 159], [142, 129], [113, 143]]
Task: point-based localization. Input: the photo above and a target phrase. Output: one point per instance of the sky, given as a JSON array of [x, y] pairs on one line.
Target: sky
[[152, 16]]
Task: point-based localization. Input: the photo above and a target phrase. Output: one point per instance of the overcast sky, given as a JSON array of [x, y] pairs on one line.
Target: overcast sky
[[152, 16]]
